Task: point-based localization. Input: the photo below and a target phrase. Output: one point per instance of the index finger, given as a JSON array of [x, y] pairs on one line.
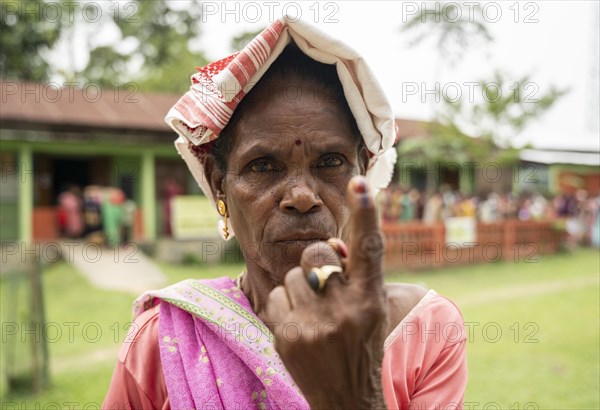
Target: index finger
[[366, 239]]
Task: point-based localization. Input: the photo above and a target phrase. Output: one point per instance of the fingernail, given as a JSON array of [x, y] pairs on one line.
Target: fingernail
[[342, 249], [360, 186], [339, 247]]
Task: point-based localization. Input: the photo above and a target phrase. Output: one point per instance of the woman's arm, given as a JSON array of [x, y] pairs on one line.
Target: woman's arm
[[138, 381], [425, 364]]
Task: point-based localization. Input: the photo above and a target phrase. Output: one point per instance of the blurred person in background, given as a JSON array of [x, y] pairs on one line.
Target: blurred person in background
[[407, 206], [92, 214], [415, 201], [538, 206], [433, 209], [595, 216], [390, 204], [466, 206], [112, 212], [489, 210], [578, 220], [70, 212]]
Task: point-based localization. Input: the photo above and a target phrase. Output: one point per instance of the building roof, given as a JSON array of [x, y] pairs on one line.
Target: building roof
[[560, 157], [412, 129], [539, 136], [30, 105], [27, 105]]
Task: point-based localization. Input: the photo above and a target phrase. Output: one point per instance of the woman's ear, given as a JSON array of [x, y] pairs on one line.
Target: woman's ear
[[214, 176], [363, 159]]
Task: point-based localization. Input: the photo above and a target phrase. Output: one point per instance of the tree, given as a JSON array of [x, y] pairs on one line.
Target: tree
[[162, 37], [472, 130], [482, 129], [25, 40], [241, 40], [154, 47], [505, 108], [452, 29]]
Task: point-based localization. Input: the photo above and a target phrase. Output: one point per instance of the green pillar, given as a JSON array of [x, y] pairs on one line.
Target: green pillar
[[148, 196], [553, 171], [26, 177], [466, 182]]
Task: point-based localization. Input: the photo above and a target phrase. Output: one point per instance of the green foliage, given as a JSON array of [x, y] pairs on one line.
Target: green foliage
[[154, 47], [162, 37], [157, 27], [240, 41], [505, 108], [25, 39], [173, 76], [443, 139], [452, 36]]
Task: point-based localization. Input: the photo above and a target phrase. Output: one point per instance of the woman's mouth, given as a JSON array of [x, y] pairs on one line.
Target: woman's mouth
[[300, 242]]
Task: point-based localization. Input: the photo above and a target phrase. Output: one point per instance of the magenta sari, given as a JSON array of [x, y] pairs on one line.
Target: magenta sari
[[215, 352]]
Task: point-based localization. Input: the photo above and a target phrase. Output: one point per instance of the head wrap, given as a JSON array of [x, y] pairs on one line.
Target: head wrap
[[203, 112]]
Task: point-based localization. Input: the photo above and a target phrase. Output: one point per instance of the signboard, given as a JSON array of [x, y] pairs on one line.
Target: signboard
[[193, 217], [461, 230]]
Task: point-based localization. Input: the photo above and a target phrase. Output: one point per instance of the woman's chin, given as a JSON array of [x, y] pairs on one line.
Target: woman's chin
[[284, 256]]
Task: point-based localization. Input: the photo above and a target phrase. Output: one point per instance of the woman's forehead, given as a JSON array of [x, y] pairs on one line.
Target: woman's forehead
[[280, 145], [301, 114], [294, 109], [292, 88]]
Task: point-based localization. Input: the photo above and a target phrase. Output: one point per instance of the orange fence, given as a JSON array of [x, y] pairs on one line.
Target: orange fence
[[45, 224], [416, 246]]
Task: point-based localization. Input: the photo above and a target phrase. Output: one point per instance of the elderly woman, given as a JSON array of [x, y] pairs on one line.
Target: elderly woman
[[291, 138]]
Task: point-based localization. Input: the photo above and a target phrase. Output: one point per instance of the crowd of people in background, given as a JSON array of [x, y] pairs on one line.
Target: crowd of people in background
[[106, 216], [103, 215], [580, 211]]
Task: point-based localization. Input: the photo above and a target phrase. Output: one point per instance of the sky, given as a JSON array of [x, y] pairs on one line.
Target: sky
[[554, 42]]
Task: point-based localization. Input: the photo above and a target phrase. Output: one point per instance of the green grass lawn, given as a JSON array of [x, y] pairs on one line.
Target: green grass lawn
[[534, 331]]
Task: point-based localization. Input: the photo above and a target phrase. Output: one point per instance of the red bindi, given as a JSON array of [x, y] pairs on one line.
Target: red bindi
[[298, 142]]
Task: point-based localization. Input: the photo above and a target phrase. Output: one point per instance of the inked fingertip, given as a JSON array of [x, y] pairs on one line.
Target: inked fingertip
[[359, 185]]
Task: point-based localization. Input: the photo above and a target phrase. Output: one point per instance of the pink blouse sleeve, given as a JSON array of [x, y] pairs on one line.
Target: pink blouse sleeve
[[138, 381], [425, 364]]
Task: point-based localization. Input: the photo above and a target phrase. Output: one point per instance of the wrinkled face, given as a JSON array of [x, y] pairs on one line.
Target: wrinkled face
[[287, 172]]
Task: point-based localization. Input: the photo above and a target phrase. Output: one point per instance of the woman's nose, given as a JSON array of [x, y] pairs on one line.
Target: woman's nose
[[301, 196]]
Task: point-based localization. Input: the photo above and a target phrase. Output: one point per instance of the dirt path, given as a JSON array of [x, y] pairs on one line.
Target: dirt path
[[125, 268]]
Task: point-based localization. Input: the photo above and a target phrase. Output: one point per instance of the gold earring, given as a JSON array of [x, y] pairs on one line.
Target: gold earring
[[222, 208]]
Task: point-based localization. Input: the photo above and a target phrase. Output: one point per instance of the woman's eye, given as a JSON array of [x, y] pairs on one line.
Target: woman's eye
[[330, 161], [262, 166]]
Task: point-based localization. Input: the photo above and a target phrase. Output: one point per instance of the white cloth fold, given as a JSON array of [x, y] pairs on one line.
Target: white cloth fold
[[201, 114]]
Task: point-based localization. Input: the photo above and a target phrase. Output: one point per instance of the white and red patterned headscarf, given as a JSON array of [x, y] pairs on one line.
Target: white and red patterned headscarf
[[203, 112]]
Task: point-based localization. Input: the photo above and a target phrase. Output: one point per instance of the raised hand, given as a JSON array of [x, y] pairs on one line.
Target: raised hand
[[332, 341]]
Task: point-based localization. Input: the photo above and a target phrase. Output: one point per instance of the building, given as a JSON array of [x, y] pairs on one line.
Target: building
[[457, 172], [51, 137], [561, 165]]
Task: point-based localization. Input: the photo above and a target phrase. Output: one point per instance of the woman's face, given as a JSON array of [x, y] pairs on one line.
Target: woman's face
[[292, 158]]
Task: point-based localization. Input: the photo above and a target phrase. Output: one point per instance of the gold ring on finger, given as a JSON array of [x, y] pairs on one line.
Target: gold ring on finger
[[317, 277]]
